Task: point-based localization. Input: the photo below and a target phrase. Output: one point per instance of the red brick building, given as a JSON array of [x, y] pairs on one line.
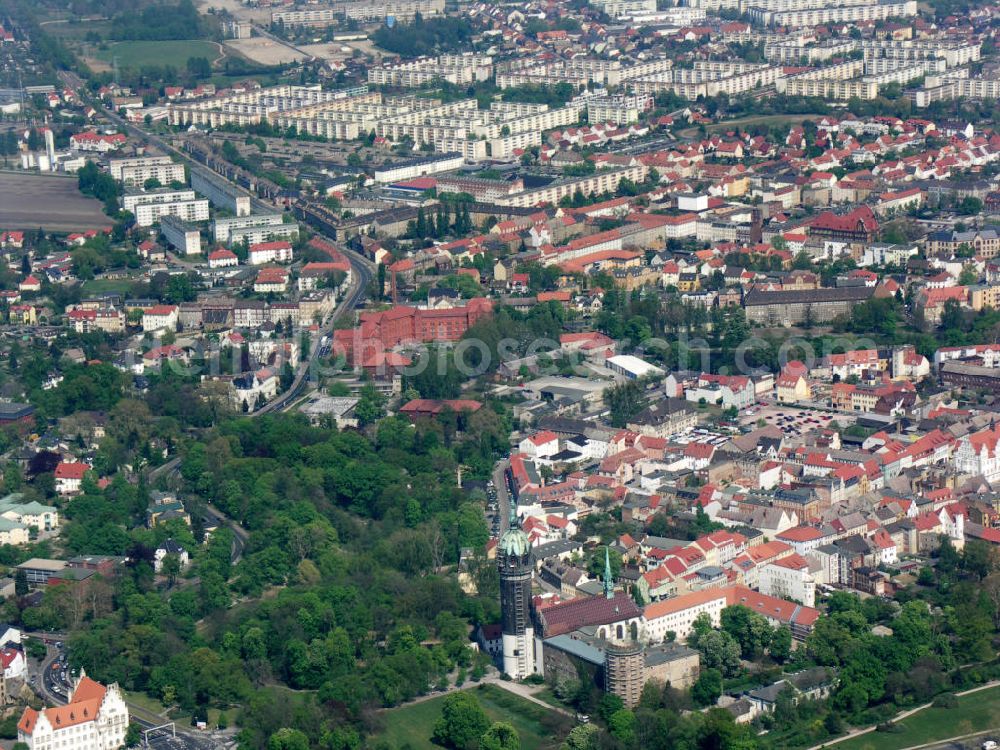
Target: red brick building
[[859, 225], [429, 408], [403, 323], [380, 331]]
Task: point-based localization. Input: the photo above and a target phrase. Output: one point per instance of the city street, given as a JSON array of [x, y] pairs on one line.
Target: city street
[[503, 495], [52, 680]]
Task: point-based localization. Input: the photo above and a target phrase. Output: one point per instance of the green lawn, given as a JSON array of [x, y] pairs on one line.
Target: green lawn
[[412, 726], [144, 701], [546, 695], [71, 29], [173, 53], [99, 286], [976, 712], [769, 120], [743, 122]]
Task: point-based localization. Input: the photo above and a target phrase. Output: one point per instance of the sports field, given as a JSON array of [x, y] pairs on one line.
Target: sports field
[[138, 54]]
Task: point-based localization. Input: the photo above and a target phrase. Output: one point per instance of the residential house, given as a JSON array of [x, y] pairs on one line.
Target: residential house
[[69, 477]]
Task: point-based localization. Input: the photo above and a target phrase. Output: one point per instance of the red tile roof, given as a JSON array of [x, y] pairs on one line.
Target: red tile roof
[[801, 534], [83, 707], [74, 470], [566, 617]]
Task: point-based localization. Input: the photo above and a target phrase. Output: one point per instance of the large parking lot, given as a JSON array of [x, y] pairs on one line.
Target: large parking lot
[[792, 420]]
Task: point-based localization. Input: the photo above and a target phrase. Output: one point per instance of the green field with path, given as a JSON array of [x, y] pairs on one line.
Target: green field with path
[[173, 53], [412, 726], [976, 712]]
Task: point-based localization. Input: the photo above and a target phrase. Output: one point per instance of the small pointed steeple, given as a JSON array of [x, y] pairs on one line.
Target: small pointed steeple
[[609, 584]]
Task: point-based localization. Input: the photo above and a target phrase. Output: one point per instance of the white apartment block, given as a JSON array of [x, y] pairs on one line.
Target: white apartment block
[[832, 89], [454, 126], [222, 227], [711, 78], [419, 167], [147, 214], [954, 84], [148, 208], [95, 718], [712, 5], [846, 80], [621, 110], [401, 10], [578, 71], [840, 13], [605, 181], [504, 147], [137, 171], [270, 252], [791, 52], [789, 578], [882, 254], [772, 5], [131, 200], [322, 126], [160, 317], [640, 69], [682, 16], [954, 54], [498, 148], [542, 76], [624, 8], [115, 166], [308, 108], [790, 5], [183, 237], [843, 71], [248, 107], [254, 235], [457, 69], [990, 354], [881, 65], [979, 88], [305, 17], [447, 124], [708, 230]]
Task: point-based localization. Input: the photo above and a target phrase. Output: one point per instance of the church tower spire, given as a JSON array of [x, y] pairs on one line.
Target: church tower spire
[[609, 584]]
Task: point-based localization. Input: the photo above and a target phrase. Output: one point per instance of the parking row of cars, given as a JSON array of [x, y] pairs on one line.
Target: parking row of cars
[[492, 506], [796, 424]]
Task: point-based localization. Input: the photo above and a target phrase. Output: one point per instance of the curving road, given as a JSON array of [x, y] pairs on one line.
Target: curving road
[[50, 684], [74, 81], [362, 273]]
